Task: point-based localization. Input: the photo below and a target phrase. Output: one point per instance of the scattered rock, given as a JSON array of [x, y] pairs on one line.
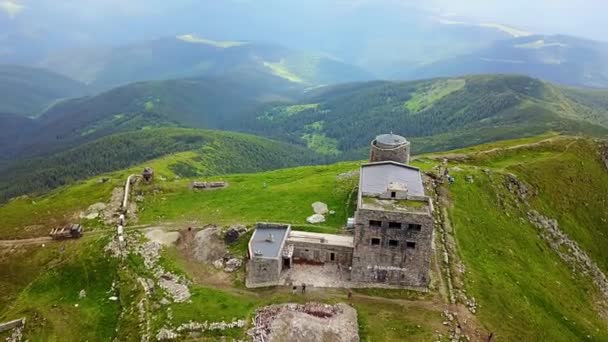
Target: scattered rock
[[93, 211], [165, 334], [349, 174], [175, 287], [316, 218], [320, 208], [233, 264], [219, 264], [305, 322], [113, 298], [82, 294]]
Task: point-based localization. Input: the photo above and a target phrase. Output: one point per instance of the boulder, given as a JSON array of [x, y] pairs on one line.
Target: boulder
[[316, 218], [320, 208]]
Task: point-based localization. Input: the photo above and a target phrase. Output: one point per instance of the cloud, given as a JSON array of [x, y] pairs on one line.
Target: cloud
[[11, 7]]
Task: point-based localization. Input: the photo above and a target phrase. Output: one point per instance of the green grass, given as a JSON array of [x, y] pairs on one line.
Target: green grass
[[425, 97], [275, 196], [49, 301], [525, 291]]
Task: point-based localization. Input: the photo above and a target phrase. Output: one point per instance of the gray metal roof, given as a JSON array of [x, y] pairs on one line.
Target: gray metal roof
[[375, 177], [269, 249], [390, 139]]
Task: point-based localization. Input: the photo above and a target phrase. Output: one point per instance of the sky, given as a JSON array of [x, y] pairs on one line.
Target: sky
[[585, 18]]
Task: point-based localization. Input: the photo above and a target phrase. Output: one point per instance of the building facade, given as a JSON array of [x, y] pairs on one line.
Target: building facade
[[393, 228]]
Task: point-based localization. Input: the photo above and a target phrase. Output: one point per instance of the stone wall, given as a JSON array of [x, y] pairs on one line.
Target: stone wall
[[384, 263], [12, 324], [321, 253], [263, 271], [399, 154]]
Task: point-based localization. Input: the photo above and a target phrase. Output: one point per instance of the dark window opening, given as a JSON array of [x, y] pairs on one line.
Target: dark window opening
[[375, 241], [394, 225], [415, 227], [332, 257], [393, 243], [393, 194], [410, 244], [375, 223]]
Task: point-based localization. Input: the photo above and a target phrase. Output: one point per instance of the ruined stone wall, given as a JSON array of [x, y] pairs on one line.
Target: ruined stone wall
[[319, 252], [396, 265], [399, 154], [263, 271]]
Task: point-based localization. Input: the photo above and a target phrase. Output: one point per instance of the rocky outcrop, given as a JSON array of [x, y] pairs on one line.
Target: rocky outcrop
[[569, 250]]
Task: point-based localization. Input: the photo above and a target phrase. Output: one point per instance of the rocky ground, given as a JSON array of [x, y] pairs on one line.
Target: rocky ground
[[305, 322]]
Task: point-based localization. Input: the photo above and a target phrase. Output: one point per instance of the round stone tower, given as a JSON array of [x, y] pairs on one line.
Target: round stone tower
[[390, 147]]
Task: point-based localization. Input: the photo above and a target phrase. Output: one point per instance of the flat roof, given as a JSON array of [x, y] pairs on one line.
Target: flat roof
[[320, 238], [260, 243], [375, 177], [391, 139]]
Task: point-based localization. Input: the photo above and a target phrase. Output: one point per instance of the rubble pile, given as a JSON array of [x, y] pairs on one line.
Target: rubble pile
[[305, 322]]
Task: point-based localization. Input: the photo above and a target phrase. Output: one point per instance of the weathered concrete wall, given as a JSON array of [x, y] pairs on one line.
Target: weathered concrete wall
[[399, 154], [12, 324], [263, 271], [398, 265], [318, 252]]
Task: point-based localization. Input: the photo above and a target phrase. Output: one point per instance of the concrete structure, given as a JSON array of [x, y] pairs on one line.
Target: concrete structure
[[393, 229], [266, 254], [390, 147]]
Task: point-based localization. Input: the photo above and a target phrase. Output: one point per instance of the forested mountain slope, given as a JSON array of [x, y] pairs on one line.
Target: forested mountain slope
[[200, 102], [30, 91], [222, 152], [436, 114]]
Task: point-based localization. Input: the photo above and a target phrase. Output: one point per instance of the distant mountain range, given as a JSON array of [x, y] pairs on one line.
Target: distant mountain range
[[561, 59], [28, 91], [192, 56]]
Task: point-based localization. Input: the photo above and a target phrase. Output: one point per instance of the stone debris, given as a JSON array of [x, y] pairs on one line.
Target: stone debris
[[218, 264], [305, 322], [16, 335], [568, 250], [518, 188], [206, 326], [82, 294], [113, 298], [175, 287], [320, 208], [349, 174], [150, 251], [165, 334], [316, 218], [234, 232], [233, 264]]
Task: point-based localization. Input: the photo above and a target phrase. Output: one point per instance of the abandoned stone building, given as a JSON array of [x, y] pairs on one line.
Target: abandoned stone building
[[393, 229]]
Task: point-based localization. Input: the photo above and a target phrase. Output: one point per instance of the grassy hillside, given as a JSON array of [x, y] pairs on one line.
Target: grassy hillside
[[524, 290], [436, 114], [30, 91], [216, 152], [193, 56], [561, 59]]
